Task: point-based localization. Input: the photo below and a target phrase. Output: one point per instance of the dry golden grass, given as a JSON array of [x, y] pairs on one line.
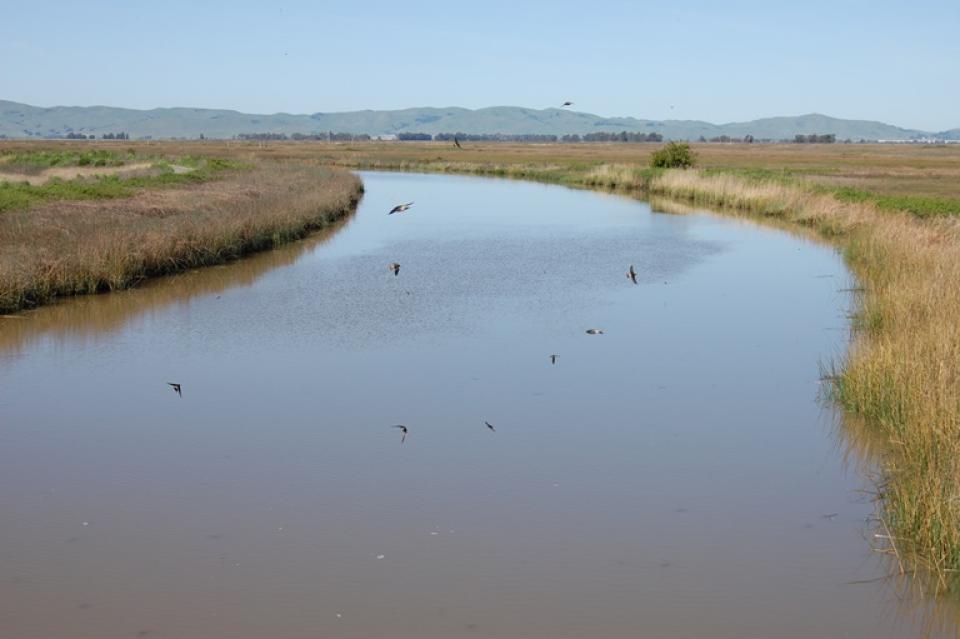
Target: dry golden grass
[[74, 247]]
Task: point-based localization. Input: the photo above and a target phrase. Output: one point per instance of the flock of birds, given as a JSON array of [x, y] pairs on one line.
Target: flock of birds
[[395, 267]]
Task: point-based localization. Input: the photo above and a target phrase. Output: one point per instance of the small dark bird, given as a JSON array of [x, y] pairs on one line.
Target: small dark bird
[[395, 267], [553, 359], [566, 104], [594, 331], [176, 388], [632, 274], [403, 429], [400, 208], [490, 426], [456, 142], [828, 517]]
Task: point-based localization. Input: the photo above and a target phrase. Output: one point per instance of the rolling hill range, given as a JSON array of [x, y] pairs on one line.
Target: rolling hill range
[[24, 121]]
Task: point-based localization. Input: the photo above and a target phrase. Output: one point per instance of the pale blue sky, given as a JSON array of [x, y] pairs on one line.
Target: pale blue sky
[[898, 62]]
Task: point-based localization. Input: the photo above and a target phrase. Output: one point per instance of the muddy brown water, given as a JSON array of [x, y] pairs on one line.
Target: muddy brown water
[[673, 477]]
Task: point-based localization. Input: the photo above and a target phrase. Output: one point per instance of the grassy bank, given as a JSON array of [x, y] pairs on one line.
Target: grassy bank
[[126, 229], [902, 372]]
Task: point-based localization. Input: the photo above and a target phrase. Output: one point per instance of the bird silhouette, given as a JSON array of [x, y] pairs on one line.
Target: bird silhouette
[[404, 430], [456, 142], [490, 426], [553, 359], [395, 267], [632, 274], [400, 208], [594, 331], [176, 388], [566, 104]]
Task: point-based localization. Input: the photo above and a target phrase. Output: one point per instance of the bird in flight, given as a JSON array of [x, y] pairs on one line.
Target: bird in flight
[[632, 274], [403, 429], [456, 142], [395, 267], [553, 359], [400, 208], [566, 104], [490, 426], [176, 388], [594, 331]]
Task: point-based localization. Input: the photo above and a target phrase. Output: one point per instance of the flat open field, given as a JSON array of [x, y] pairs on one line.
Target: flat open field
[[886, 169]]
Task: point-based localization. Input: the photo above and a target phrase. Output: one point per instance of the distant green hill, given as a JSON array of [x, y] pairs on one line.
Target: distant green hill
[[25, 121]]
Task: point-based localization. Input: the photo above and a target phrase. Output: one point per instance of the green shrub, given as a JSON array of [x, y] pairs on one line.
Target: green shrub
[[673, 156]]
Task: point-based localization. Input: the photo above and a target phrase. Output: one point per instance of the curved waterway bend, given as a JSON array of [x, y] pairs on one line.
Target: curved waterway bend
[[668, 478]]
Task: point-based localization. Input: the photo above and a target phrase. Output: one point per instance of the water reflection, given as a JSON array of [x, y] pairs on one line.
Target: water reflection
[[85, 317]]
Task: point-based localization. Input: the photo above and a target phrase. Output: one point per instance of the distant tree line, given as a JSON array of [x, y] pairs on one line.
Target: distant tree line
[[328, 136], [623, 136], [72, 135], [495, 137], [813, 138], [726, 139]]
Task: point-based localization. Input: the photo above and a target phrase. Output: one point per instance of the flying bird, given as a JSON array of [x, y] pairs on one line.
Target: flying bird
[[553, 359], [594, 331], [176, 388], [566, 104], [490, 426], [456, 142], [400, 208], [632, 274], [395, 267], [403, 429]]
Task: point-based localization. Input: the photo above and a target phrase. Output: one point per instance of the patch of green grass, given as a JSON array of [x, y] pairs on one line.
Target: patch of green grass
[[21, 195], [48, 159], [754, 174], [921, 206]]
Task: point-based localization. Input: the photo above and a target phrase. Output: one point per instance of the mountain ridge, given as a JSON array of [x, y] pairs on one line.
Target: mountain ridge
[[18, 121]]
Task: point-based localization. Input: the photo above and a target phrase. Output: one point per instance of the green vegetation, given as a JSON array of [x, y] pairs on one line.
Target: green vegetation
[[921, 206], [21, 195], [48, 159], [673, 156]]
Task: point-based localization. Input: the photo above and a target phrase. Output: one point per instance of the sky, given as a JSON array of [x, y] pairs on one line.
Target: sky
[[737, 60]]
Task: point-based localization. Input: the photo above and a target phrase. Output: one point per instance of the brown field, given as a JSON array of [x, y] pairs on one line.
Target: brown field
[[921, 170], [899, 234]]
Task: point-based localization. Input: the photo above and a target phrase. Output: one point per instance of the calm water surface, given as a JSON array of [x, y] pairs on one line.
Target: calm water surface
[[666, 479]]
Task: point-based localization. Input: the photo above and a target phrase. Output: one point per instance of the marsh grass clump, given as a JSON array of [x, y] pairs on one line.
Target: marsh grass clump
[[675, 155]]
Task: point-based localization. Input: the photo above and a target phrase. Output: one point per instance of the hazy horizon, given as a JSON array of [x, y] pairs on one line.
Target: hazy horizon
[[456, 106], [740, 62]]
